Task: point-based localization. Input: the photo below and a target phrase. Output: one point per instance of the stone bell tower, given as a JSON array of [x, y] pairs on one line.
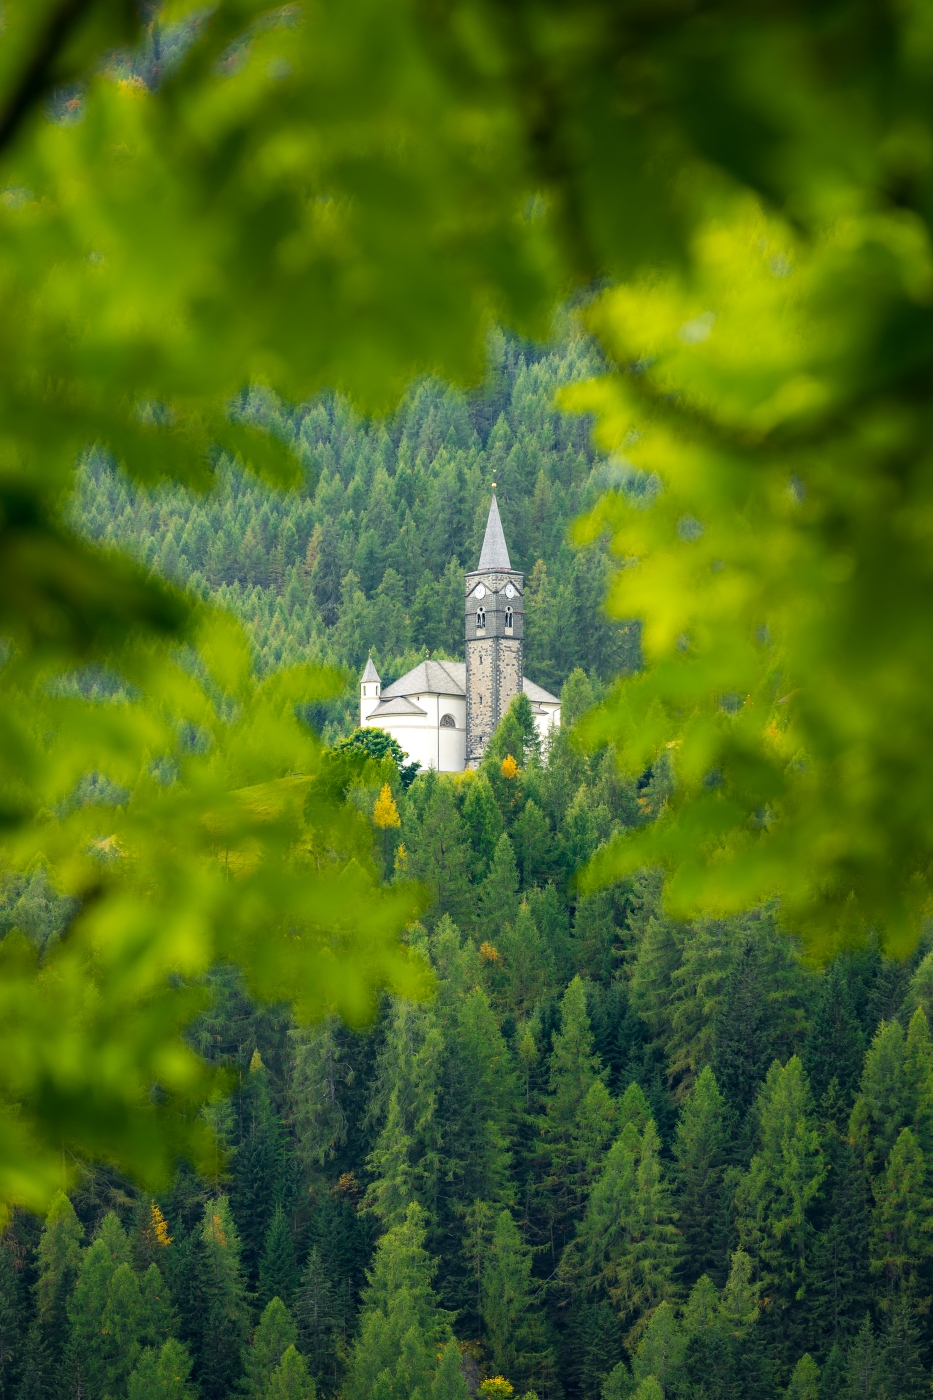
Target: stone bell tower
[[494, 632]]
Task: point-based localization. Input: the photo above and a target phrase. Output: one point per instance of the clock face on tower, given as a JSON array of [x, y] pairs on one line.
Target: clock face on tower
[[480, 590], [509, 591]]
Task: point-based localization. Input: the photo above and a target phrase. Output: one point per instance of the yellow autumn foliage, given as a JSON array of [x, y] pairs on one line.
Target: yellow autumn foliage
[[385, 812]]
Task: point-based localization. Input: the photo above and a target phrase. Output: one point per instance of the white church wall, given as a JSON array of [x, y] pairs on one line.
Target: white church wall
[[418, 740], [369, 699], [545, 723], [451, 750]]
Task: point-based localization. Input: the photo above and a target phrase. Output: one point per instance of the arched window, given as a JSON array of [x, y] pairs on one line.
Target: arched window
[[508, 619], [448, 722], [480, 618]]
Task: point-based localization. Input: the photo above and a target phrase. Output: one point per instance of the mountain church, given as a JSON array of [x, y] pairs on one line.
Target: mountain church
[[443, 713]]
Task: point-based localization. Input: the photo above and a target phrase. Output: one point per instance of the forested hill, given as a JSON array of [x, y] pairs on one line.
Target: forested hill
[[613, 1157], [371, 553]]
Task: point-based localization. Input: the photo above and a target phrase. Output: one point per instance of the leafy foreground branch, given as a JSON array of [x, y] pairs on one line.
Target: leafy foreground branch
[[231, 841], [350, 196]]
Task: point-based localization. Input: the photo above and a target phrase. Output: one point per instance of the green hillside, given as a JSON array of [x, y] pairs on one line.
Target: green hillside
[[371, 553]]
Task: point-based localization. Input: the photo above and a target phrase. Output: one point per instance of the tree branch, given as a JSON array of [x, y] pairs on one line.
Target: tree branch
[[37, 77]]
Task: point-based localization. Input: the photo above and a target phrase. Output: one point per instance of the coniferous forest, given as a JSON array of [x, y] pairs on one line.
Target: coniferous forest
[[370, 555], [609, 1155]]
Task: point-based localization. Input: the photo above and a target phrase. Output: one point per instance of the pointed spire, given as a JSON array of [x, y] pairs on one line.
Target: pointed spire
[[494, 554], [370, 674]]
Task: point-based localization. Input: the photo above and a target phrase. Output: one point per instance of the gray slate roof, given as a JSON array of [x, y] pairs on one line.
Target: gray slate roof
[[538, 692], [449, 678], [370, 674], [398, 705], [494, 554], [433, 677]]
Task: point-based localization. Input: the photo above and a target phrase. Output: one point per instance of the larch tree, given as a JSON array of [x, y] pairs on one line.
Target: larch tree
[[775, 1199], [162, 1374], [88, 1355], [644, 1272], [290, 1379], [884, 1103], [402, 1331], [513, 1324], [901, 1239], [449, 1382], [274, 1334], [124, 1325], [405, 1161], [223, 1309]]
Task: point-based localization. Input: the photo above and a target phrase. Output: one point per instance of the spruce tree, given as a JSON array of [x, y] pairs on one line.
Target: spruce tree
[[320, 1318], [709, 1362], [918, 1066], [159, 1318], [257, 1166], [525, 968], [700, 1149], [832, 1376], [864, 1370], [755, 1016], [483, 822], [835, 1046], [596, 936], [599, 1340], [11, 1325], [531, 836], [479, 1104], [841, 1288], [497, 899], [222, 1307], [574, 1068], [278, 1271], [603, 1233], [183, 1267], [440, 854], [902, 1348]]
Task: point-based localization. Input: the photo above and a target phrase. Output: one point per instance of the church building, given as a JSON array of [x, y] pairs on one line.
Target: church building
[[443, 713]]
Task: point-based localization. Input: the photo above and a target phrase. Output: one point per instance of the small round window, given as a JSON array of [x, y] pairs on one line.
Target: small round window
[[448, 722]]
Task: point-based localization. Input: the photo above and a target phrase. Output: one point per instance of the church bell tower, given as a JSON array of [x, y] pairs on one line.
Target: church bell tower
[[494, 632]]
